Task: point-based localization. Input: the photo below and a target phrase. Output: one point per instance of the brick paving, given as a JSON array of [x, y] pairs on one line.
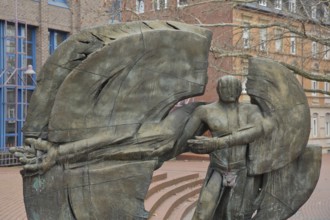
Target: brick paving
[[316, 208]]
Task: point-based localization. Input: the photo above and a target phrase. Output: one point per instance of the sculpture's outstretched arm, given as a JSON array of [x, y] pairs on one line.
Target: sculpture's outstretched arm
[[258, 127]]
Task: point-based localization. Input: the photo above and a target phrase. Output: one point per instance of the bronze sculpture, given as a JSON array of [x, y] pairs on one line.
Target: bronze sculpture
[[100, 122]]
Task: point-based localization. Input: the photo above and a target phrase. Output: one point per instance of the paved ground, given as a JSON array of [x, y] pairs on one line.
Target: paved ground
[[317, 207]]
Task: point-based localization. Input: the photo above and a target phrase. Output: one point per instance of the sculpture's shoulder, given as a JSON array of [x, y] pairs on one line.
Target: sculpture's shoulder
[[249, 108]]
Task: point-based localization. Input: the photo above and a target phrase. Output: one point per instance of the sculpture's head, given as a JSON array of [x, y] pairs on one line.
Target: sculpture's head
[[229, 89]]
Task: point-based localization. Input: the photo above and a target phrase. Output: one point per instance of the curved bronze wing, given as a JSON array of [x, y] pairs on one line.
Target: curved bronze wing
[[278, 93], [291, 169], [117, 77]]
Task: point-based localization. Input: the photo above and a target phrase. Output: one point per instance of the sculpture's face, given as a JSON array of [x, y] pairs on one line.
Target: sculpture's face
[[229, 89]]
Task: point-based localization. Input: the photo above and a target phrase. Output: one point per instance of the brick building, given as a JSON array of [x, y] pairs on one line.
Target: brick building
[[274, 41], [30, 30]]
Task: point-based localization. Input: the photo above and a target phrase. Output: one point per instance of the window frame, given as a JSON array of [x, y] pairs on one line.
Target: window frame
[[246, 37], [262, 2], [278, 4], [314, 125], [313, 11], [292, 6], [157, 3], [293, 44], [263, 39], [314, 49], [59, 3], [314, 86], [140, 7]]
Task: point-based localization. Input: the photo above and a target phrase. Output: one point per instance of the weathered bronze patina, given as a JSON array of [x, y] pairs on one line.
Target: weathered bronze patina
[[101, 121]]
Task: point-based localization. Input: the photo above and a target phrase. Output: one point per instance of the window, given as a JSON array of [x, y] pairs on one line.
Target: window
[[263, 39], [314, 87], [160, 4], [55, 39], [115, 11], [326, 88], [182, 2], [278, 4], [246, 37], [314, 49], [278, 40], [314, 124], [17, 50], [262, 2], [60, 3], [292, 6], [313, 10], [326, 14], [327, 124], [139, 6], [293, 44], [326, 52]]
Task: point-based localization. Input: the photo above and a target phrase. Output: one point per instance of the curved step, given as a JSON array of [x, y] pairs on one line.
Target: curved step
[[177, 209], [189, 211], [173, 180], [162, 203], [158, 177]]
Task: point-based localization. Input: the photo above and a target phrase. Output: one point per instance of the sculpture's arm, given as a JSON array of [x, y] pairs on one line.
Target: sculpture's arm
[[258, 127]]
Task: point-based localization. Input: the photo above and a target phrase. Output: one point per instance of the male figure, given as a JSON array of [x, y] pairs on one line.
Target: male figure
[[228, 192]]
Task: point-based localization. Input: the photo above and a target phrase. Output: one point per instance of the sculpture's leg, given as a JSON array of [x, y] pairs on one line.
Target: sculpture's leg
[[209, 197]]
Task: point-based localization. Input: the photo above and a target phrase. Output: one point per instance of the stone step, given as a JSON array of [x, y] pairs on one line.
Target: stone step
[[158, 176], [162, 202], [183, 205], [171, 180]]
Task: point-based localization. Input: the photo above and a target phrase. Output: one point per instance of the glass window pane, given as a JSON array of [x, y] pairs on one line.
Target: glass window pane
[[10, 127], [10, 75], [10, 46], [10, 141], [29, 49], [11, 30], [11, 96], [30, 34]]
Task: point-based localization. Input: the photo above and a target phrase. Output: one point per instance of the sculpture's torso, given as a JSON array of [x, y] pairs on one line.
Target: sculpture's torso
[[222, 120]]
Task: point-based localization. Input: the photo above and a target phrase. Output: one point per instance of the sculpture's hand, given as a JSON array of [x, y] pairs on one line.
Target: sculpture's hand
[[202, 145], [206, 145], [38, 155]]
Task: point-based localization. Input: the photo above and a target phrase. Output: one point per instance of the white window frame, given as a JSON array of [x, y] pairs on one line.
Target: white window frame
[[278, 4], [326, 14], [313, 11], [11, 115], [293, 44], [326, 88], [182, 3], [262, 2], [314, 86], [139, 6], [326, 52], [314, 49], [314, 124], [246, 37], [263, 39], [158, 4], [278, 40], [292, 6], [327, 124]]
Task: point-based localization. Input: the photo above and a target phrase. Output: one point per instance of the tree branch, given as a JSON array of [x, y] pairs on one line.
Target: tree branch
[[298, 71]]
